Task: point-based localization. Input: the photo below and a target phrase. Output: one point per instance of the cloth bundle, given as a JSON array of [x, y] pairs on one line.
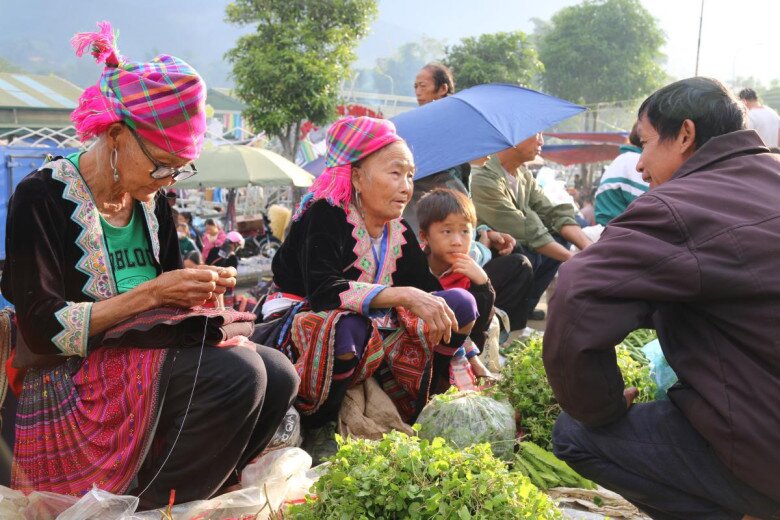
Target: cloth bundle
[[169, 327]]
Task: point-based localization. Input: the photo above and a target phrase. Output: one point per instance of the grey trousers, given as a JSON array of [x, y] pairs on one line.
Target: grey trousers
[[660, 463]]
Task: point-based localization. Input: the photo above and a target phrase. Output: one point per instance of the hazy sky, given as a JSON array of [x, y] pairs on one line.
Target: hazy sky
[[739, 38]]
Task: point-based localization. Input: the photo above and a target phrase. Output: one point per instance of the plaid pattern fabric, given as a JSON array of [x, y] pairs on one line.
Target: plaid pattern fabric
[[164, 99], [352, 138], [349, 140]]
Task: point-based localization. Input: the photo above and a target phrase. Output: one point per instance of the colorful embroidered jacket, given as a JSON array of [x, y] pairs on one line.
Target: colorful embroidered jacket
[[57, 263], [328, 258]]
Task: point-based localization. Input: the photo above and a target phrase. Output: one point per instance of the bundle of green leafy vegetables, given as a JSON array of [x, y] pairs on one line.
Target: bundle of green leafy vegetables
[[408, 477], [524, 384], [467, 418]]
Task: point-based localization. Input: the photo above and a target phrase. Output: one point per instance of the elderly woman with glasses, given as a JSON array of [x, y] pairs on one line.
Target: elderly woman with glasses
[[91, 244]]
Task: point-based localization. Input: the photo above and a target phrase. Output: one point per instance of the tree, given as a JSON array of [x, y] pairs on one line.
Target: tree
[[290, 69], [602, 50], [504, 57], [404, 65]]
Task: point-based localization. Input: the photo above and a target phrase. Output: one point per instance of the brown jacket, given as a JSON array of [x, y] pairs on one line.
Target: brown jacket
[[698, 257]]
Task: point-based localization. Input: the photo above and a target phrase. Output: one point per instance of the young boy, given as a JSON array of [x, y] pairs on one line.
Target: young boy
[[447, 220]]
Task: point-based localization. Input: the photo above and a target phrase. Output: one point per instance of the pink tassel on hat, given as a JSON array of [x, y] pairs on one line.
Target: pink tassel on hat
[[335, 185], [94, 113], [103, 45]]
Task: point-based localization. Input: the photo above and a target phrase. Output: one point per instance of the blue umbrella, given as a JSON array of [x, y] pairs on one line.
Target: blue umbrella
[[476, 122]]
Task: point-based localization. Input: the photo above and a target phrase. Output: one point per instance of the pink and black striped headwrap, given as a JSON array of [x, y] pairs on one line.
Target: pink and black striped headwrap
[[163, 100], [350, 139]]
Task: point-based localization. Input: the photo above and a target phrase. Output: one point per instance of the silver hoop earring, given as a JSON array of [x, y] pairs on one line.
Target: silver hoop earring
[[357, 201], [112, 162]]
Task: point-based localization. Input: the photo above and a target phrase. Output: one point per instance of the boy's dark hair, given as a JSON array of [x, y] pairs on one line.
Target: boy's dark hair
[[711, 106], [440, 203]]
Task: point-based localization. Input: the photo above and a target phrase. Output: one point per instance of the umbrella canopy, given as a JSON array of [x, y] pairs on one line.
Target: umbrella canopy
[[476, 122], [236, 166]]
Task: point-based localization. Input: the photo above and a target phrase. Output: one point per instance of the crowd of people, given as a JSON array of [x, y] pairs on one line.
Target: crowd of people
[[95, 253]]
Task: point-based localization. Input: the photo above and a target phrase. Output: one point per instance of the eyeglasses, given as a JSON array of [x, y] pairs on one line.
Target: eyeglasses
[[160, 170]]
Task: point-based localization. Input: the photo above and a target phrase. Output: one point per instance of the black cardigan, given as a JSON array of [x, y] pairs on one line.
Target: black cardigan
[[57, 265], [319, 261]]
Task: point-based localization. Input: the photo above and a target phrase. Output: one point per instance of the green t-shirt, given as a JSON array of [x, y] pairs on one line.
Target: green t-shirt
[[128, 249]]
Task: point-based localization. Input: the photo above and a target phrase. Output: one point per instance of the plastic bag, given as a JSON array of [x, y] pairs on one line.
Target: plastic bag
[[281, 474], [288, 433], [660, 371], [99, 505], [15, 505], [490, 356], [467, 418]]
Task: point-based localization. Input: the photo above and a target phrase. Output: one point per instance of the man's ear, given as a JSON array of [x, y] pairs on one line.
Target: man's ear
[[686, 138]]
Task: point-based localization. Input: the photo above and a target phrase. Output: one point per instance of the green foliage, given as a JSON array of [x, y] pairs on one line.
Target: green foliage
[[405, 477], [545, 470], [291, 68], [467, 418], [602, 50], [504, 57], [524, 383], [395, 74]]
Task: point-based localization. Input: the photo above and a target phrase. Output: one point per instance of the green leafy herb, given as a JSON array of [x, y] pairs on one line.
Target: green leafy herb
[[524, 383], [406, 477]]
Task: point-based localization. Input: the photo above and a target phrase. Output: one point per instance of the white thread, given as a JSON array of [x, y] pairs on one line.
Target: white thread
[[186, 412]]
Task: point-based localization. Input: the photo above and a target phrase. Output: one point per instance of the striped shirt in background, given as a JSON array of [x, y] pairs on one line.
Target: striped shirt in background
[[619, 185]]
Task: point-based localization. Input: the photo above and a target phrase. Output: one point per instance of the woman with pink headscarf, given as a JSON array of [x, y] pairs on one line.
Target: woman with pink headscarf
[[353, 294], [91, 246]]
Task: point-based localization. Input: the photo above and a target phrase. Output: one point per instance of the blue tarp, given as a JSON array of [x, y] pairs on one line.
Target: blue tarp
[[15, 163]]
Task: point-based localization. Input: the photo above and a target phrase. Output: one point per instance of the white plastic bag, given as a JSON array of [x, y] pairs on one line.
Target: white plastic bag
[[15, 505], [99, 505], [281, 474]]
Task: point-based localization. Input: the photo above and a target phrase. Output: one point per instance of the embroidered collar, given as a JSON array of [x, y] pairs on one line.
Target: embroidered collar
[[100, 284], [365, 262]]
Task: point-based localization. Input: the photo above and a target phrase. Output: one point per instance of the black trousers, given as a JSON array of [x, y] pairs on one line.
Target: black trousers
[[512, 277], [240, 398], [656, 459], [544, 271]]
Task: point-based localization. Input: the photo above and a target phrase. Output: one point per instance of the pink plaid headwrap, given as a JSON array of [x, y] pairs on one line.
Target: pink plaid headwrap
[[163, 100], [349, 140]]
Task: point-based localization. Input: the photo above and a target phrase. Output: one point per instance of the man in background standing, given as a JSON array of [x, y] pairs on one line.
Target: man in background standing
[[763, 119]]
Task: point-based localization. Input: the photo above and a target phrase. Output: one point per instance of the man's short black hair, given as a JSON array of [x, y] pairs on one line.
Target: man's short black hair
[[707, 102], [748, 94]]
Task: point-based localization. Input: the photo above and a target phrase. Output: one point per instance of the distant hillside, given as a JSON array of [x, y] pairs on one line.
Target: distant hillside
[[35, 35]]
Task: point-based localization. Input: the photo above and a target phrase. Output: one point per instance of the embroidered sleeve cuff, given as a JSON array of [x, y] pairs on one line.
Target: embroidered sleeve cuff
[[359, 295], [74, 318]]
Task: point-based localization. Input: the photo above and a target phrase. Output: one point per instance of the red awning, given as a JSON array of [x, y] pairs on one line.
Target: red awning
[[596, 137], [568, 154]]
